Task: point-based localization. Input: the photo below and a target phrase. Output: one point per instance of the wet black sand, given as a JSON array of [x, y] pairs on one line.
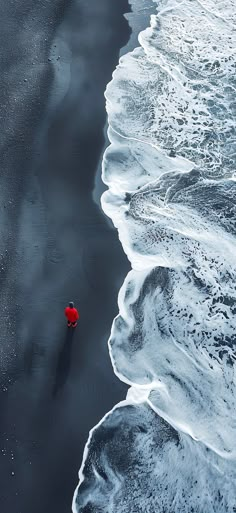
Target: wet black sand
[[55, 244]]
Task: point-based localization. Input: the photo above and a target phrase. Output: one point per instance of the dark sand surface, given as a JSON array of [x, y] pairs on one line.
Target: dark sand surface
[[55, 244]]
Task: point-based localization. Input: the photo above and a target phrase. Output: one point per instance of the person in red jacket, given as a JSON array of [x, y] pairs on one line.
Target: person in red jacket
[[72, 315]]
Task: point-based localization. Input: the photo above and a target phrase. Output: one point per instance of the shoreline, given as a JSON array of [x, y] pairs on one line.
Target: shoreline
[[138, 20]]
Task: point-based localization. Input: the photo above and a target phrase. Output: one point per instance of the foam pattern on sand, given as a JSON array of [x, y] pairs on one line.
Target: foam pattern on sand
[[136, 463], [170, 172]]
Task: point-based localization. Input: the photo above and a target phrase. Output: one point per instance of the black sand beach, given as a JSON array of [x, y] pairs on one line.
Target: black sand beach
[[55, 244]]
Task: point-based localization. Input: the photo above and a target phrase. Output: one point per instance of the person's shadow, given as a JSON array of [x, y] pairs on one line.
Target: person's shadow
[[64, 362]]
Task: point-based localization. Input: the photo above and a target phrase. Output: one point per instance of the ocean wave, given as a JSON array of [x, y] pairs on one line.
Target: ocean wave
[[170, 172], [136, 462]]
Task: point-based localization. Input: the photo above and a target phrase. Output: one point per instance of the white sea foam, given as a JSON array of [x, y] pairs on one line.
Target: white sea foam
[[136, 462], [170, 170]]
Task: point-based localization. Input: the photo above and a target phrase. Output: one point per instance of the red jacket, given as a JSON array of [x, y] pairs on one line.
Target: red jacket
[[71, 314]]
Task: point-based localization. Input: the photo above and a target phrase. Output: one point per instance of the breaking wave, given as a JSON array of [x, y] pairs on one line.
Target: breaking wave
[[171, 194]]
